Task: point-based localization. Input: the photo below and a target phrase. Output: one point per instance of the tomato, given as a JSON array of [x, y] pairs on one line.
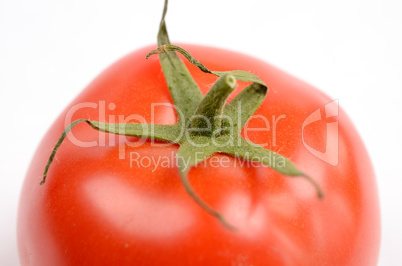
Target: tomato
[[97, 209]]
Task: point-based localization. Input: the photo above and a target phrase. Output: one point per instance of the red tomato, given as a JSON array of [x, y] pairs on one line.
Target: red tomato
[[97, 209]]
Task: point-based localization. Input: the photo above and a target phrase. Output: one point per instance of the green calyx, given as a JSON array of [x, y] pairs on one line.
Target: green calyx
[[206, 124]]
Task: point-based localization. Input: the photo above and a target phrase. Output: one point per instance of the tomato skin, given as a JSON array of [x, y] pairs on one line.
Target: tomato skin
[[97, 209]]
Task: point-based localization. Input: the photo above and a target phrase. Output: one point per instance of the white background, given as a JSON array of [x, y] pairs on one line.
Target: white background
[[351, 49]]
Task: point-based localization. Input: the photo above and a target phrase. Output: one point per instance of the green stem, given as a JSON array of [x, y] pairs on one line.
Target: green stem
[[252, 152], [189, 156], [169, 133], [239, 110], [56, 147], [184, 90], [238, 74], [208, 116]]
